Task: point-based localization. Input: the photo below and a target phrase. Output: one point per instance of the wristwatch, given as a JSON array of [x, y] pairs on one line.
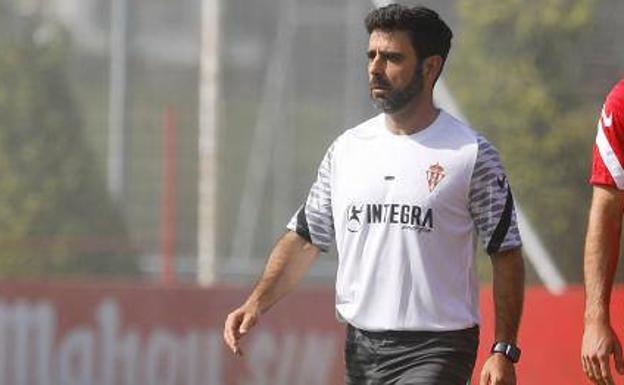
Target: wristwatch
[[509, 350]]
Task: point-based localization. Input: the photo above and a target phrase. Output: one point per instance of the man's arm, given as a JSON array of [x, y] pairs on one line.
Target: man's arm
[[290, 259], [508, 290], [602, 247]]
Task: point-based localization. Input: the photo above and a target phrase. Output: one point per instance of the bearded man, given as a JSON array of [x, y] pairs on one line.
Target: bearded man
[[405, 195]]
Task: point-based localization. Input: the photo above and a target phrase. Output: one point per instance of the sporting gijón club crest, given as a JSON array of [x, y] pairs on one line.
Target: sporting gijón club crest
[[435, 174]]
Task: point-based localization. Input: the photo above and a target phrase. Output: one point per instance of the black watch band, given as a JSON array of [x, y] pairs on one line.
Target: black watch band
[[509, 350]]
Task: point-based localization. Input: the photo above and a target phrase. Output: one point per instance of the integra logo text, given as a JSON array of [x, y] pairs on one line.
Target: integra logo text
[[411, 217]]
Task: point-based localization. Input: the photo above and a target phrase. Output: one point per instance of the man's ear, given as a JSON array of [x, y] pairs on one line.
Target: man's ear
[[432, 66]]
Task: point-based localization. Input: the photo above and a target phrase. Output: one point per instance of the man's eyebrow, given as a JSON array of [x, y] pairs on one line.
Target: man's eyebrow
[[386, 53]]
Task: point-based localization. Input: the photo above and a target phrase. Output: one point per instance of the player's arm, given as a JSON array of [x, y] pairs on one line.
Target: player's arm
[[492, 208], [311, 231], [602, 246], [289, 260], [508, 292]]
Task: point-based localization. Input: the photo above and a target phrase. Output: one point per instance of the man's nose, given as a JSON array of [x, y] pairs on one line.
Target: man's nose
[[376, 65]]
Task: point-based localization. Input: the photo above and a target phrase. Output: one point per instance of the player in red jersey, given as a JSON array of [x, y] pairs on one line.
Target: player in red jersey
[[602, 243]]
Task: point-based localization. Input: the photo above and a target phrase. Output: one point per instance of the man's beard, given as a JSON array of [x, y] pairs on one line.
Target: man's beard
[[396, 99]]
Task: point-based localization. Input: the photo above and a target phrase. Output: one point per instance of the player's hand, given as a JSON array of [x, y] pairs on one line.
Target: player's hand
[[237, 324], [600, 342], [498, 370]]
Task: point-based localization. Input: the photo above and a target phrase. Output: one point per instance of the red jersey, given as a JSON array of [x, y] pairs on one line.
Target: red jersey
[[608, 157]]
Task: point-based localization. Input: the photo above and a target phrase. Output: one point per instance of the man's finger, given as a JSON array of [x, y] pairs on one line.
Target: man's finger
[[585, 367], [248, 323], [231, 332], [485, 378], [589, 372], [228, 334], [605, 370], [596, 370]]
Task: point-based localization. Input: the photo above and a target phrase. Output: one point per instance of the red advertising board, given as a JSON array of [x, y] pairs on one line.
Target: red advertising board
[[95, 333], [73, 333]]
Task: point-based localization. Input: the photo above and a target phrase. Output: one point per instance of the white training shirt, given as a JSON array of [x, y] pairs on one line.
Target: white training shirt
[[404, 211]]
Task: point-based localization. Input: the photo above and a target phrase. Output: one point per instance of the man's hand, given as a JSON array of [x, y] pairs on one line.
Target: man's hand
[[498, 370], [237, 324], [289, 260], [600, 342], [602, 249]]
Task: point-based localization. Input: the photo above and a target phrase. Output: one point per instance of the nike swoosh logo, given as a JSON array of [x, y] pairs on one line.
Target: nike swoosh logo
[[607, 120], [501, 181]]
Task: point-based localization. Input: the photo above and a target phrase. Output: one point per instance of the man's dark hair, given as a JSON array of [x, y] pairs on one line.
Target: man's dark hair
[[430, 35]]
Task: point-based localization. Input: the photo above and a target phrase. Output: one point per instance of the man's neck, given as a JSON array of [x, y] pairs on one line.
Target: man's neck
[[415, 117]]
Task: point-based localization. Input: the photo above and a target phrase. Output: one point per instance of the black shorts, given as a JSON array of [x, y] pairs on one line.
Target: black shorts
[[410, 357]]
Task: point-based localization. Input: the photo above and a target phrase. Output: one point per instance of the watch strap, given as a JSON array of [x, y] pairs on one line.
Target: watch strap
[[509, 350]]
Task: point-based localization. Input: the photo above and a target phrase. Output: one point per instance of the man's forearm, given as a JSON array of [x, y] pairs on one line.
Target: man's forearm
[[601, 252], [508, 272], [289, 260]]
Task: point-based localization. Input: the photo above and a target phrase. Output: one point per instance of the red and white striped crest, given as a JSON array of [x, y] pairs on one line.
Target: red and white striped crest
[[435, 174]]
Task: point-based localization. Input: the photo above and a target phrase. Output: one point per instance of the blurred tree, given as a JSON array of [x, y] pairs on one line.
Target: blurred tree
[[55, 214], [518, 74]]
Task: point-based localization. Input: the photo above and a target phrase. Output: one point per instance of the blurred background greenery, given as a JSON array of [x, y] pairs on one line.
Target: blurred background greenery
[[531, 75]]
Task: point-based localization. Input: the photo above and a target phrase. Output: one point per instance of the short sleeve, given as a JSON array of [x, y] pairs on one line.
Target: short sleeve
[[314, 220], [491, 202], [608, 149]]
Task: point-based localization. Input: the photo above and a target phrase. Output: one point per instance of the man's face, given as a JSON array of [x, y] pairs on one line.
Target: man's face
[[395, 75]]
